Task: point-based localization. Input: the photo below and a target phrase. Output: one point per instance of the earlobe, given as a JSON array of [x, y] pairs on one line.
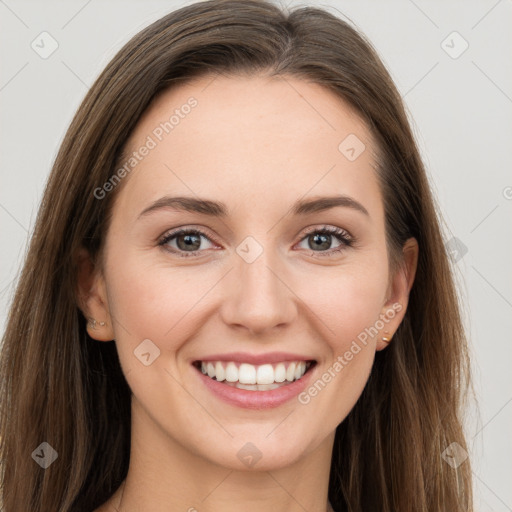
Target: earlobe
[[92, 298], [100, 331]]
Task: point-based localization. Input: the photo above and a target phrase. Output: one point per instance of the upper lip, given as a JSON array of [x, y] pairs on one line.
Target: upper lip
[[256, 359]]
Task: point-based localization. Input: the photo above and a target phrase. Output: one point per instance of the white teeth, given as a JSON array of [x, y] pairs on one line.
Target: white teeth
[[265, 374], [220, 373], [299, 370], [248, 376], [290, 372], [280, 373], [231, 372], [255, 387]]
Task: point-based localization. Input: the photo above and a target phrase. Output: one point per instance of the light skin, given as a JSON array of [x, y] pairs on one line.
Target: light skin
[[258, 145]]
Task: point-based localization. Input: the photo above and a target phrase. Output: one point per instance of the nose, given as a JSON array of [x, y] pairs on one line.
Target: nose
[[257, 297]]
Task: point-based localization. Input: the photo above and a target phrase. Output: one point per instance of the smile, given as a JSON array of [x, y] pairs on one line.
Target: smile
[[254, 378]]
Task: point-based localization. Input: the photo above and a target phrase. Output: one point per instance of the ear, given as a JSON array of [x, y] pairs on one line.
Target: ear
[[395, 306], [92, 298]]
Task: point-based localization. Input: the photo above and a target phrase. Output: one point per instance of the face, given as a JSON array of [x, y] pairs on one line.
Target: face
[[267, 281]]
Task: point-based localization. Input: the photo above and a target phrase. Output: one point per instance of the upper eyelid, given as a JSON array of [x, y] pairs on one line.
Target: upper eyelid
[[175, 232], [327, 227]]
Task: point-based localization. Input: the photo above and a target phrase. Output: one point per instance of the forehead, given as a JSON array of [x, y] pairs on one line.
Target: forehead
[[238, 138]]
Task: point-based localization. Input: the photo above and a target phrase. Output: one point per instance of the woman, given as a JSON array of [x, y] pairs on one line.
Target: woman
[[237, 294]]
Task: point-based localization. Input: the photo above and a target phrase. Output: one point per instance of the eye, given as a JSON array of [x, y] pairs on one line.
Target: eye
[[184, 241], [322, 238]]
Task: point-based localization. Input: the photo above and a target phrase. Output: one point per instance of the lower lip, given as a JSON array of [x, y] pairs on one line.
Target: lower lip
[[256, 399]]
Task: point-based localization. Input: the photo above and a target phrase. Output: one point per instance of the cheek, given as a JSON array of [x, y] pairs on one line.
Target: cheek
[[163, 305], [153, 301], [346, 300], [348, 303]]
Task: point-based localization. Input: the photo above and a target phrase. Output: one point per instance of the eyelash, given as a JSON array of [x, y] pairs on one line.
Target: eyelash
[[345, 239]]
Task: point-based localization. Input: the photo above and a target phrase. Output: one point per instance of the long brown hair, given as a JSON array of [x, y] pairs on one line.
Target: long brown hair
[[61, 387]]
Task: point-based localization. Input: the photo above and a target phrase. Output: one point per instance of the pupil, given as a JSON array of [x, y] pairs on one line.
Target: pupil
[[189, 241], [322, 238]]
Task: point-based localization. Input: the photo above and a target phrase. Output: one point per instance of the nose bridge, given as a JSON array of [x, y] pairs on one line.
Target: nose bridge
[[258, 298]]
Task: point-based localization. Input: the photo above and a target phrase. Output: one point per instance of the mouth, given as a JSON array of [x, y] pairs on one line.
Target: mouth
[[249, 377]]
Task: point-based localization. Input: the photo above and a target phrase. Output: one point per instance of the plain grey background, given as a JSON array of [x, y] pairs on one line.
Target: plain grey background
[[452, 63]]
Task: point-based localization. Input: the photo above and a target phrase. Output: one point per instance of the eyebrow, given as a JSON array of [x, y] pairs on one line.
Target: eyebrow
[[219, 209]]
